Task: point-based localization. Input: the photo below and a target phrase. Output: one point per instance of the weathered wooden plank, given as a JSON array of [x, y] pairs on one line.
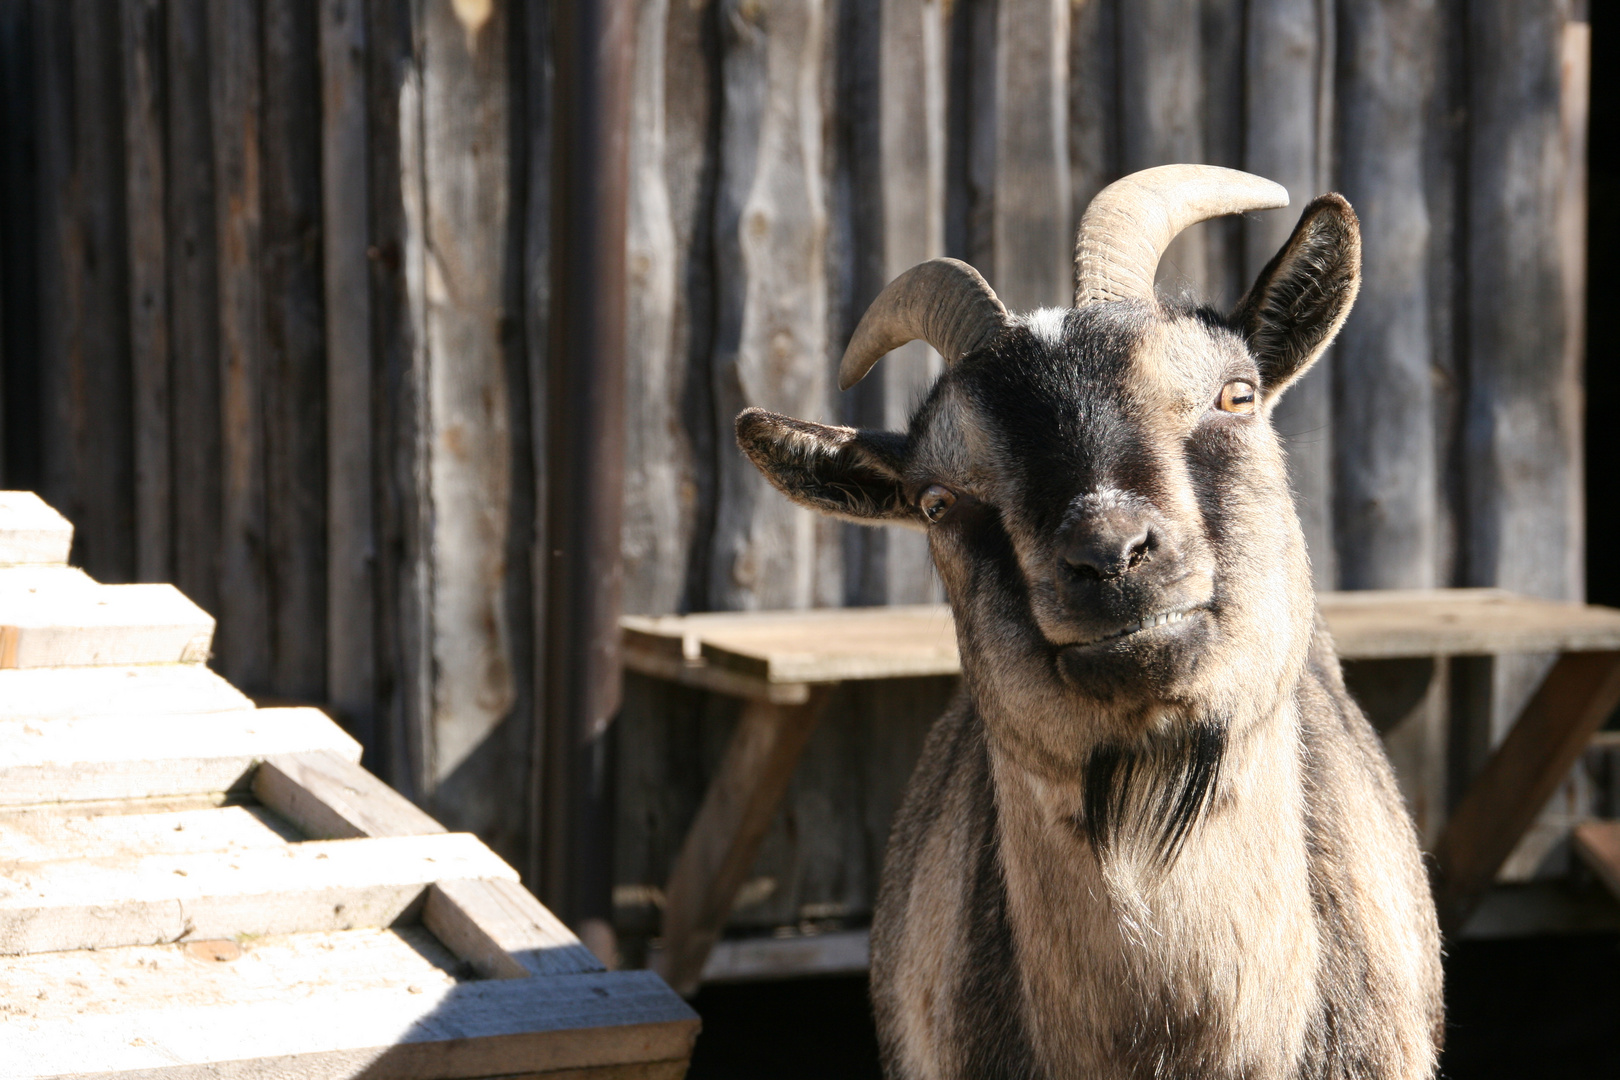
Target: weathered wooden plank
[[1225, 63], [466, 443], [1387, 479], [1161, 86], [658, 481], [1598, 845], [84, 312], [346, 232], [103, 902], [1522, 411], [74, 759], [330, 797], [846, 952], [720, 847], [193, 261], [294, 379], [112, 982], [235, 89], [1094, 135], [146, 201], [141, 690], [57, 832], [1578, 694], [1287, 135], [771, 332], [503, 931], [831, 645], [910, 182], [106, 624], [1031, 230], [31, 531], [501, 1027]]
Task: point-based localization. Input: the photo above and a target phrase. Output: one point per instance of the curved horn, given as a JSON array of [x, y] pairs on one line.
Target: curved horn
[[1129, 224], [942, 301]]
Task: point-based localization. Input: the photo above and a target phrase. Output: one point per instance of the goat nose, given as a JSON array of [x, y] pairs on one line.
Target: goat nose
[[1107, 547]]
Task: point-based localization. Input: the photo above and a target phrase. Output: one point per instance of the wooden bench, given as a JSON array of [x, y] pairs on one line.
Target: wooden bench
[[192, 887], [783, 665]]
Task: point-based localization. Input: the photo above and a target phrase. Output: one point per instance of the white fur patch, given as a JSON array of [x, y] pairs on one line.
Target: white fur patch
[[1047, 325]]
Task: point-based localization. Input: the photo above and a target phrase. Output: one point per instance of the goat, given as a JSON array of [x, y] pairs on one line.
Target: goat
[[1152, 836]]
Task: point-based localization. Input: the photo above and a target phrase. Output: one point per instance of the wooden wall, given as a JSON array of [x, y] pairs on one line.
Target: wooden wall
[[273, 313]]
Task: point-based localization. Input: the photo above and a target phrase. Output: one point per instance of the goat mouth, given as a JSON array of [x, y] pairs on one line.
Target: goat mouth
[[1149, 622]]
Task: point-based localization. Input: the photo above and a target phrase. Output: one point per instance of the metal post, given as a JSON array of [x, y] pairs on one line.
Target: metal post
[[592, 56]]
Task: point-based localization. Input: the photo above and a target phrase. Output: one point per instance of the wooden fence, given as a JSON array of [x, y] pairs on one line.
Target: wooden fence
[[273, 279]]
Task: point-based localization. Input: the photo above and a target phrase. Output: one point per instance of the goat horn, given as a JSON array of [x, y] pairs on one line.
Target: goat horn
[[942, 301], [1129, 224]]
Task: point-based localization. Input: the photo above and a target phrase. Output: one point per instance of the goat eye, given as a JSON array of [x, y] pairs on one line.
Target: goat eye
[[936, 501], [1237, 396]]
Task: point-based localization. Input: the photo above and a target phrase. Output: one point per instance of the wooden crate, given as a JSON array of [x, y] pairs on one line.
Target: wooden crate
[[192, 887]]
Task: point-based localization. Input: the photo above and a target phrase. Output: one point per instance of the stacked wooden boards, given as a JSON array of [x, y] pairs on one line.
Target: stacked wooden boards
[[190, 886]]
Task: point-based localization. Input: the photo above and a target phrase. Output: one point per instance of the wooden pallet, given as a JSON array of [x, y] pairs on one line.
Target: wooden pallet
[[193, 887]]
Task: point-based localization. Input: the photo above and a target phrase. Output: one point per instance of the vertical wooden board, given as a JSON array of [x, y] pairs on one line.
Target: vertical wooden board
[[467, 437], [658, 483], [770, 226], [1387, 482], [1521, 430], [1094, 135], [911, 161], [1288, 56], [691, 170], [235, 88], [294, 384], [1225, 67], [193, 267], [345, 236], [1032, 233], [87, 433], [145, 182], [1161, 92], [394, 190]]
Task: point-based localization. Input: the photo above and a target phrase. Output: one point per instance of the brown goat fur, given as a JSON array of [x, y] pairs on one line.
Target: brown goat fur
[[1153, 836]]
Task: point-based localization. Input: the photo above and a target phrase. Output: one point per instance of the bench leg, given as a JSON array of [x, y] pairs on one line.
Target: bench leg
[[723, 841], [1577, 695]]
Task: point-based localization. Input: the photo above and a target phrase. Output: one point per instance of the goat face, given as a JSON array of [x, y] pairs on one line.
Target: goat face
[[1106, 500]]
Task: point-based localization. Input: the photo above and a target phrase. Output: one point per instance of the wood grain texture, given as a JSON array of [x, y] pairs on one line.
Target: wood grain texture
[[1094, 120], [86, 429], [1161, 86], [1520, 437], [1387, 478], [719, 849], [485, 1028], [503, 931], [771, 333], [191, 225], [104, 900], [1578, 694], [141, 690], [328, 796], [346, 274], [146, 201], [659, 487], [1031, 231], [294, 357], [102, 624], [235, 87], [75, 759], [1288, 137], [466, 440], [31, 531], [1598, 845]]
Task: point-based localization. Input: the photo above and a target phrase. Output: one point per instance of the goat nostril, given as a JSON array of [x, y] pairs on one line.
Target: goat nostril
[[1140, 550]]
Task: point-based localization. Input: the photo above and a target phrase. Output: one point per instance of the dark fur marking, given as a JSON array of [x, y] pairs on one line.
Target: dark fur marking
[[1119, 781]]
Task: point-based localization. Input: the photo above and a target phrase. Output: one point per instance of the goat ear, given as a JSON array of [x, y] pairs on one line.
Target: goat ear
[[1302, 297], [836, 470]]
